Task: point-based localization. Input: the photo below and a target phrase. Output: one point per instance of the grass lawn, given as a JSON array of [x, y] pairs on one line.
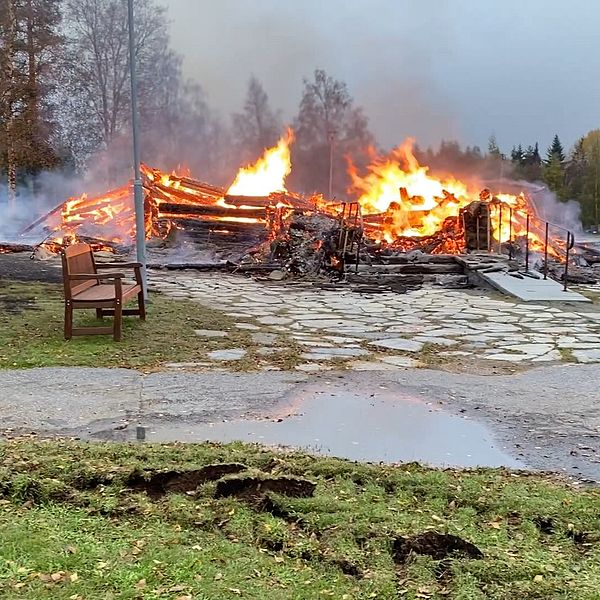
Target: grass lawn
[[76, 523], [31, 333]]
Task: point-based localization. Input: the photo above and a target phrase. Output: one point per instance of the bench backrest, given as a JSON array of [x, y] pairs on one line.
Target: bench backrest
[[77, 259]]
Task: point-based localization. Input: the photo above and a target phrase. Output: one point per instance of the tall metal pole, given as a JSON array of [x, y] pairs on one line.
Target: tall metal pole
[[331, 136], [138, 190]]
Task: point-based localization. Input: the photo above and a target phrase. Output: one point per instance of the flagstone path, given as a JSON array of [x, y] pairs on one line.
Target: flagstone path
[[388, 330]]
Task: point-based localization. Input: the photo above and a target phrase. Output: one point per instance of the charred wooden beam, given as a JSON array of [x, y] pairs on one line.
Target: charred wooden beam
[[205, 225], [180, 196], [169, 209], [202, 187], [258, 201], [413, 269], [221, 266], [270, 200]]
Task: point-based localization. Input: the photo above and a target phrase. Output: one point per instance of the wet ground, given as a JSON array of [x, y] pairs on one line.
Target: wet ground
[[546, 418], [361, 424], [21, 267]]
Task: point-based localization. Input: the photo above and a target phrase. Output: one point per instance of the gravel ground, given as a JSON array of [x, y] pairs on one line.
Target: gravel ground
[[548, 417]]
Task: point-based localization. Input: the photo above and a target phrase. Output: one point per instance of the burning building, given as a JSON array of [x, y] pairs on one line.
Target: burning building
[[397, 206]]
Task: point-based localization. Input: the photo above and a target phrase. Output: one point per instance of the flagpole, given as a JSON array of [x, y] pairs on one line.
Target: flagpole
[[138, 190]]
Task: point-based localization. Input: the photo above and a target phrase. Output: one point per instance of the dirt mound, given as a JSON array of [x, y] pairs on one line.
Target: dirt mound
[[257, 487], [436, 545], [173, 482]]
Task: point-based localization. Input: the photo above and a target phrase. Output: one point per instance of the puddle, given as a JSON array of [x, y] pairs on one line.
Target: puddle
[[389, 427]]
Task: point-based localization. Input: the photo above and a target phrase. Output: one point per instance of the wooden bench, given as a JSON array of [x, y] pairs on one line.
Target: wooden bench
[[106, 292]]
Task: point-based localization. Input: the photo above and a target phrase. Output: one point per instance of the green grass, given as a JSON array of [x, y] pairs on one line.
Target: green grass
[[31, 334], [70, 529]]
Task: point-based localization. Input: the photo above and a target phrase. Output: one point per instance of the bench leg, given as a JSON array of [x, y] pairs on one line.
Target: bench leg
[[142, 306], [68, 320], [118, 322], [99, 314]]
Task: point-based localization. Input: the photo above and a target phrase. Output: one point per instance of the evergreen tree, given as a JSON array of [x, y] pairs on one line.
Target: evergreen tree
[[516, 155], [531, 165], [555, 151], [493, 148], [554, 171]]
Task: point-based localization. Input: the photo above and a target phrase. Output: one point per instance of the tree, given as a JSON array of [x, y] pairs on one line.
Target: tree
[[553, 170], [493, 148], [29, 47], [589, 148], [257, 127], [9, 95], [555, 152], [327, 122], [96, 88], [576, 169], [517, 155]]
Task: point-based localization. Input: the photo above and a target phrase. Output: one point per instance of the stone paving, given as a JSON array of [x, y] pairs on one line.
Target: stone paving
[[388, 330]]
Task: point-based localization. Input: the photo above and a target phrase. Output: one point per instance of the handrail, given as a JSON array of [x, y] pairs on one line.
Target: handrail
[[569, 242]]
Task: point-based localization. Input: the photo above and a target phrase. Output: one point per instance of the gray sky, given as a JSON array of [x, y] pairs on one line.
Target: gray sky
[[433, 69]]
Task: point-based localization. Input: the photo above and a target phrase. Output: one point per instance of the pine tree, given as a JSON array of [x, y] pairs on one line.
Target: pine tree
[[493, 148], [555, 151], [516, 155], [554, 168]]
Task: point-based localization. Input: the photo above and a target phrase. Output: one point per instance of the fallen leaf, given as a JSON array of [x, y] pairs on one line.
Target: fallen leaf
[[218, 576], [141, 584], [538, 578]]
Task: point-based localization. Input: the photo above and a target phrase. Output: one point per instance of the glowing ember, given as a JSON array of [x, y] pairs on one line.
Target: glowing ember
[[268, 173]]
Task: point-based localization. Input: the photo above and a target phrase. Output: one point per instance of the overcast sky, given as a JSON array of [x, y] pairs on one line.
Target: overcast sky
[[433, 69]]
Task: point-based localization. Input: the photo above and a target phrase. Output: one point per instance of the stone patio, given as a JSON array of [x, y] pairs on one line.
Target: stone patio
[[389, 330]]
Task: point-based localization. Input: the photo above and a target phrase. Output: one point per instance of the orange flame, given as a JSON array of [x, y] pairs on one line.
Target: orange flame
[[416, 202], [268, 173]]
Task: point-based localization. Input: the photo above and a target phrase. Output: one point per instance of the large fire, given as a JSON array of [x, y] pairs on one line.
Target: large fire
[[400, 200], [268, 173]]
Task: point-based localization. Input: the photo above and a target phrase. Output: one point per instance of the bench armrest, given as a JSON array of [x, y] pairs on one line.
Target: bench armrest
[[88, 276], [132, 265]]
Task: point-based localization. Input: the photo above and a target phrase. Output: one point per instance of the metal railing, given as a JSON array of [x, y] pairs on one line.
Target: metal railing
[[569, 238]]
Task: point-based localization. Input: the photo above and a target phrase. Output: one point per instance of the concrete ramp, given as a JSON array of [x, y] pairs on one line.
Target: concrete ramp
[[530, 289]]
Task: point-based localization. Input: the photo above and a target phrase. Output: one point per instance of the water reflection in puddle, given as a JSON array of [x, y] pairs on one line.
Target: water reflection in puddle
[[389, 427]]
